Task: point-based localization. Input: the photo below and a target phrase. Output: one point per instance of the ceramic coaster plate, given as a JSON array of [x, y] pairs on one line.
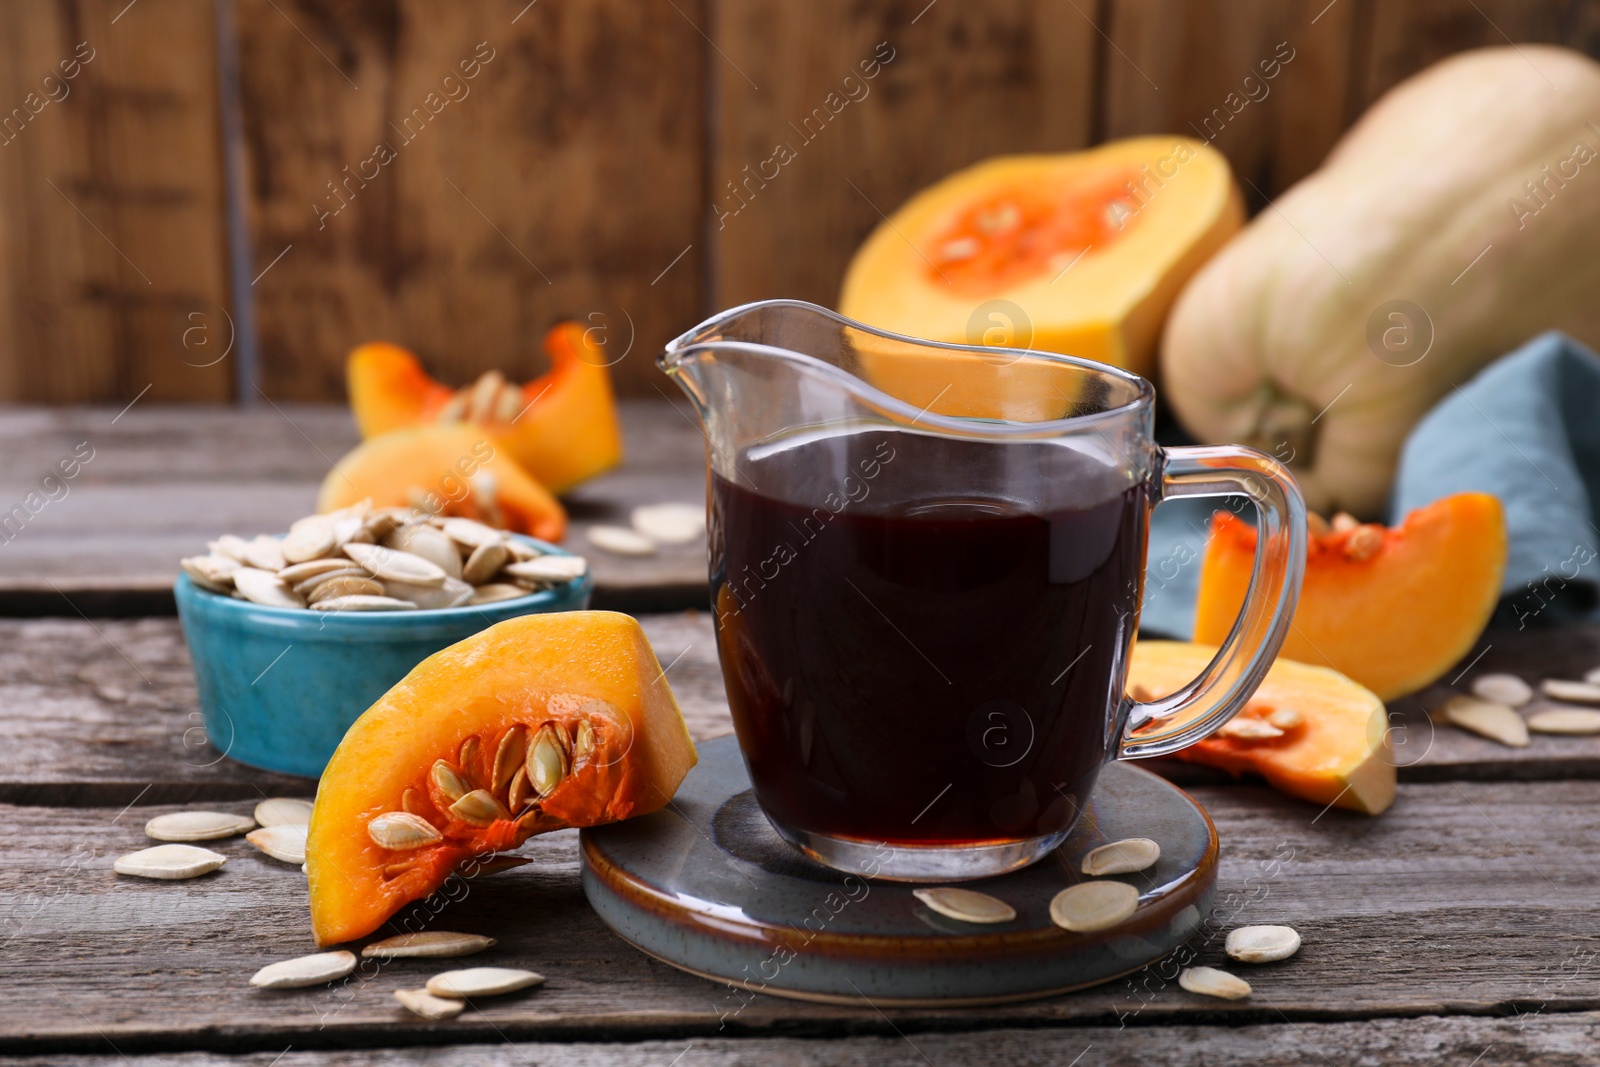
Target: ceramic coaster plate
[[707, 885]]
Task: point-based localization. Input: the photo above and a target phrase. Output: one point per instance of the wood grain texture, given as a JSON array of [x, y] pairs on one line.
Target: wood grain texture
[[112, 242], [106, 712], [1398, 40], [161, 482], [1551, 1040], [559, 181], [99, 712], [1274, 129], [1467, 899], [965, 81]]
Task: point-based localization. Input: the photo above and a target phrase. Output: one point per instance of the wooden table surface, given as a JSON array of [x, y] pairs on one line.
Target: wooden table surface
[[1461, 927]]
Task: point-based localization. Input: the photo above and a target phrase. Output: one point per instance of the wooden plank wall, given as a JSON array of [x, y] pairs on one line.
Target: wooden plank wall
[[458, 177]]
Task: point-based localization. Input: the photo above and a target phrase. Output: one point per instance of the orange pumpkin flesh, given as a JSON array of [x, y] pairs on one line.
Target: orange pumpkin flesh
[[444, 470], [562, 426], [1396, 619], [1339, 754], [456, 710]]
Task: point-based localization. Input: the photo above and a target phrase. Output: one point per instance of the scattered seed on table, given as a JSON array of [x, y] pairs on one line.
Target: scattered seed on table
[[966, 905], [284, 811], [1485, 718], [1122, 857], [1262, 944], [283, 842], [620, 541], [317, 969], [169, 862], [1090, 906], [197, 826], [1210, 982], [423, 1003], [670, 524], [428, 944], [1554, 688], [1575, 721], [481, 982], [1505, 689]]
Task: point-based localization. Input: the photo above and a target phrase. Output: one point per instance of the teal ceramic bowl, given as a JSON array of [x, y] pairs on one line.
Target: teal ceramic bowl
[[280, 686]]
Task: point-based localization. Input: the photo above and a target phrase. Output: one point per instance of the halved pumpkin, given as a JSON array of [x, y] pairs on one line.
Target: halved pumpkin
[[562, 426], [1338, 752], [536, 724], [1392, 608], [1081, 253], [444, 470]]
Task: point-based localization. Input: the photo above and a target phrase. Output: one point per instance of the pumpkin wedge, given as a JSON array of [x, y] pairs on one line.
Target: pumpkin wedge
[[538, 723], [444, 470], [1333, 747], [1392, 608], [562, 427], [1080, 253]]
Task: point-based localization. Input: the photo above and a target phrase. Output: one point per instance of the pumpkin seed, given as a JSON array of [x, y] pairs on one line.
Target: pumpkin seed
[[284, 811], [966, 905], [620, 541], [547, 760], [347, 569], [283, 842], [479, 808], [1316, 525], [1262, 944], [1592, 676], [359, 602], [451, 593], [448, 781], [413, 801], [317, 969], [1554, 688], [296, 573], [431, 544], [169, 862], [197, 826], [1364, 542], [480, 398], [1122, 857], [1487, 719], [423, 1003], [392, 564], [549, 568], [485, 562], [670, 524], [235, 548], [1243, 729], [311, 541], [1565, 721], [481, 982], [520, 792], [470, 533], [212, 572], [264, 587], [1343, 521], [401, 831], [428, 944], [264, 552], [1505, 689], [494, 592], [467, 756], [582, 742], [454, 410], [1090, 906], [509, 757], [1285, 719], [349, 585], [1210, 982]]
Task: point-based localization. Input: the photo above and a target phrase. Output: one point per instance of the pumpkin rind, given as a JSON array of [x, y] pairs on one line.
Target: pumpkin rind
[[566, 429], [1338, 755], [1294, 338], [1172, 201], [526, 671], [1394, 622]]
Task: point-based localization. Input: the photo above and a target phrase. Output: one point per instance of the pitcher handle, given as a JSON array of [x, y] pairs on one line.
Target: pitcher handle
[[1242, 661]]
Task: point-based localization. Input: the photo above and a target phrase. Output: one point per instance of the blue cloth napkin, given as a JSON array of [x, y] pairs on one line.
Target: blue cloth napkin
[[1526, 429]]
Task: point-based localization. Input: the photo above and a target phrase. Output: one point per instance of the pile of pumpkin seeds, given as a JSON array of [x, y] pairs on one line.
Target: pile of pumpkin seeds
[[362, 558], [1504, 708], [1100, 905]]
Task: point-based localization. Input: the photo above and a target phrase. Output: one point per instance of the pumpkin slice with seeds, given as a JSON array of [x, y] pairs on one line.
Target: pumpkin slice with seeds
[[539, 723]]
